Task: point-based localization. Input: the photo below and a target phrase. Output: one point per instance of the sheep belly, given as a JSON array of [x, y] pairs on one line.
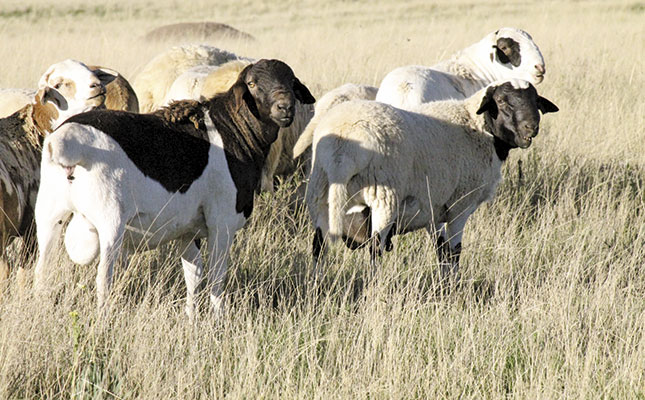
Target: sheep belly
[[154, 229]]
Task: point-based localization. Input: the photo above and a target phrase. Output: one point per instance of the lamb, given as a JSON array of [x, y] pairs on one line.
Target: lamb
[[76, 89], [507, 53], [204, 81], [196, 178], [156, 77], [392, 171]]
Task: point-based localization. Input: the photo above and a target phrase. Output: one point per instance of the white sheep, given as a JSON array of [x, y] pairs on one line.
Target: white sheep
[[507, 53], [393, 171], [66, 88], [341, 94], [157, 76], [205, 81]]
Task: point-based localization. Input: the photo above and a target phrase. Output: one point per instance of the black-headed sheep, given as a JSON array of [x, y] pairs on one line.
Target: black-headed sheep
[[195, 178], [379, 170]]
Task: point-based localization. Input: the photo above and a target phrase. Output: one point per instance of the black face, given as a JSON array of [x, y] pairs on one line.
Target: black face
[[513, 113], [508, 51], [274, 89]]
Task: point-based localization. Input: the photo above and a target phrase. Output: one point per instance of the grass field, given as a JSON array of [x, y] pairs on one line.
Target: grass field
[[552, 298]]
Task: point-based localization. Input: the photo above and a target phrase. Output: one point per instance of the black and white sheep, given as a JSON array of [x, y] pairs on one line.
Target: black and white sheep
[[379, 170], [185, 172], [507, 53], [205, 81]]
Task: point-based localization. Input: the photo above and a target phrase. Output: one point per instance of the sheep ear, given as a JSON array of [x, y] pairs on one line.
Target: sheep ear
[[488, 104], [302, 93], [105, 75], [239, 88], [546, 106], [51, 95]]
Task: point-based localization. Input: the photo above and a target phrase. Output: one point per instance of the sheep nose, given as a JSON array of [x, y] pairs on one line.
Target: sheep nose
[[285, 107], [530, 127], [540, 69]]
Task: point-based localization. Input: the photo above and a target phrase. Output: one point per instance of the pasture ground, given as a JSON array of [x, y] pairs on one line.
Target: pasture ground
[[551, 302]]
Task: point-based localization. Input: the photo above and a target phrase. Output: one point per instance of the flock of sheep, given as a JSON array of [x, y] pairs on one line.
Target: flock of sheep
[[423, 150]]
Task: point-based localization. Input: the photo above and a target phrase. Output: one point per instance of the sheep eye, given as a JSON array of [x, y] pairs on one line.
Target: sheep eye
[[251, 84], [58, 85]]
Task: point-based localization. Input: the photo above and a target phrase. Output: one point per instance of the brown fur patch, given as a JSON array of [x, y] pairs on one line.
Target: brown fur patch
[[119, 93], [44, 114]]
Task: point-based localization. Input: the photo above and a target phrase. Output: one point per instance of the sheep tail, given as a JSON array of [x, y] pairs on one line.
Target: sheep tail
[[305, 139], [63, 148]]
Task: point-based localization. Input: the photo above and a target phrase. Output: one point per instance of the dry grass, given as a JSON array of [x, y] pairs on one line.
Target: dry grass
[[551, 300]]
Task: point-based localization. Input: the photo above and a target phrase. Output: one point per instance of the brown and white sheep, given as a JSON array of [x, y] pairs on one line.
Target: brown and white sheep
[[66, 88]]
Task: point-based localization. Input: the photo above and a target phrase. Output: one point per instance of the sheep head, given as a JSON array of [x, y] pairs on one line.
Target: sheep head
[[271, 88], [513, 49], [512, 112], [67, 88]]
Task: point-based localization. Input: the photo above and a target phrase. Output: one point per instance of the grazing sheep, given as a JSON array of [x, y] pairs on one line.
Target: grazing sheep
[[205, 81], [153, 82], [12, 100], [196, 177], [384, 170], [199, 31], [507, 53], [75, 89]]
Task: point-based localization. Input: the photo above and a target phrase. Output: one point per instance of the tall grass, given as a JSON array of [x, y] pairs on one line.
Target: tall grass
[[550, 304]]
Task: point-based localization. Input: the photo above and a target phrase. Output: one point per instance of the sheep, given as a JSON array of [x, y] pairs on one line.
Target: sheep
[[119, 95], [196, 30], [387, 171], [196, 178], [156, 77], [204, 81], [346, 92], [504, 54], [75, 89], [12, 100]]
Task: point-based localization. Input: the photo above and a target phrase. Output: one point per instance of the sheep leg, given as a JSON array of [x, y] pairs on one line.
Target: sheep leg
[[220, 240], [111, 247], [383, 225], [193, 266], [49, 228], [318, 249], [271, 164], [320, 242], [454, 233]]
